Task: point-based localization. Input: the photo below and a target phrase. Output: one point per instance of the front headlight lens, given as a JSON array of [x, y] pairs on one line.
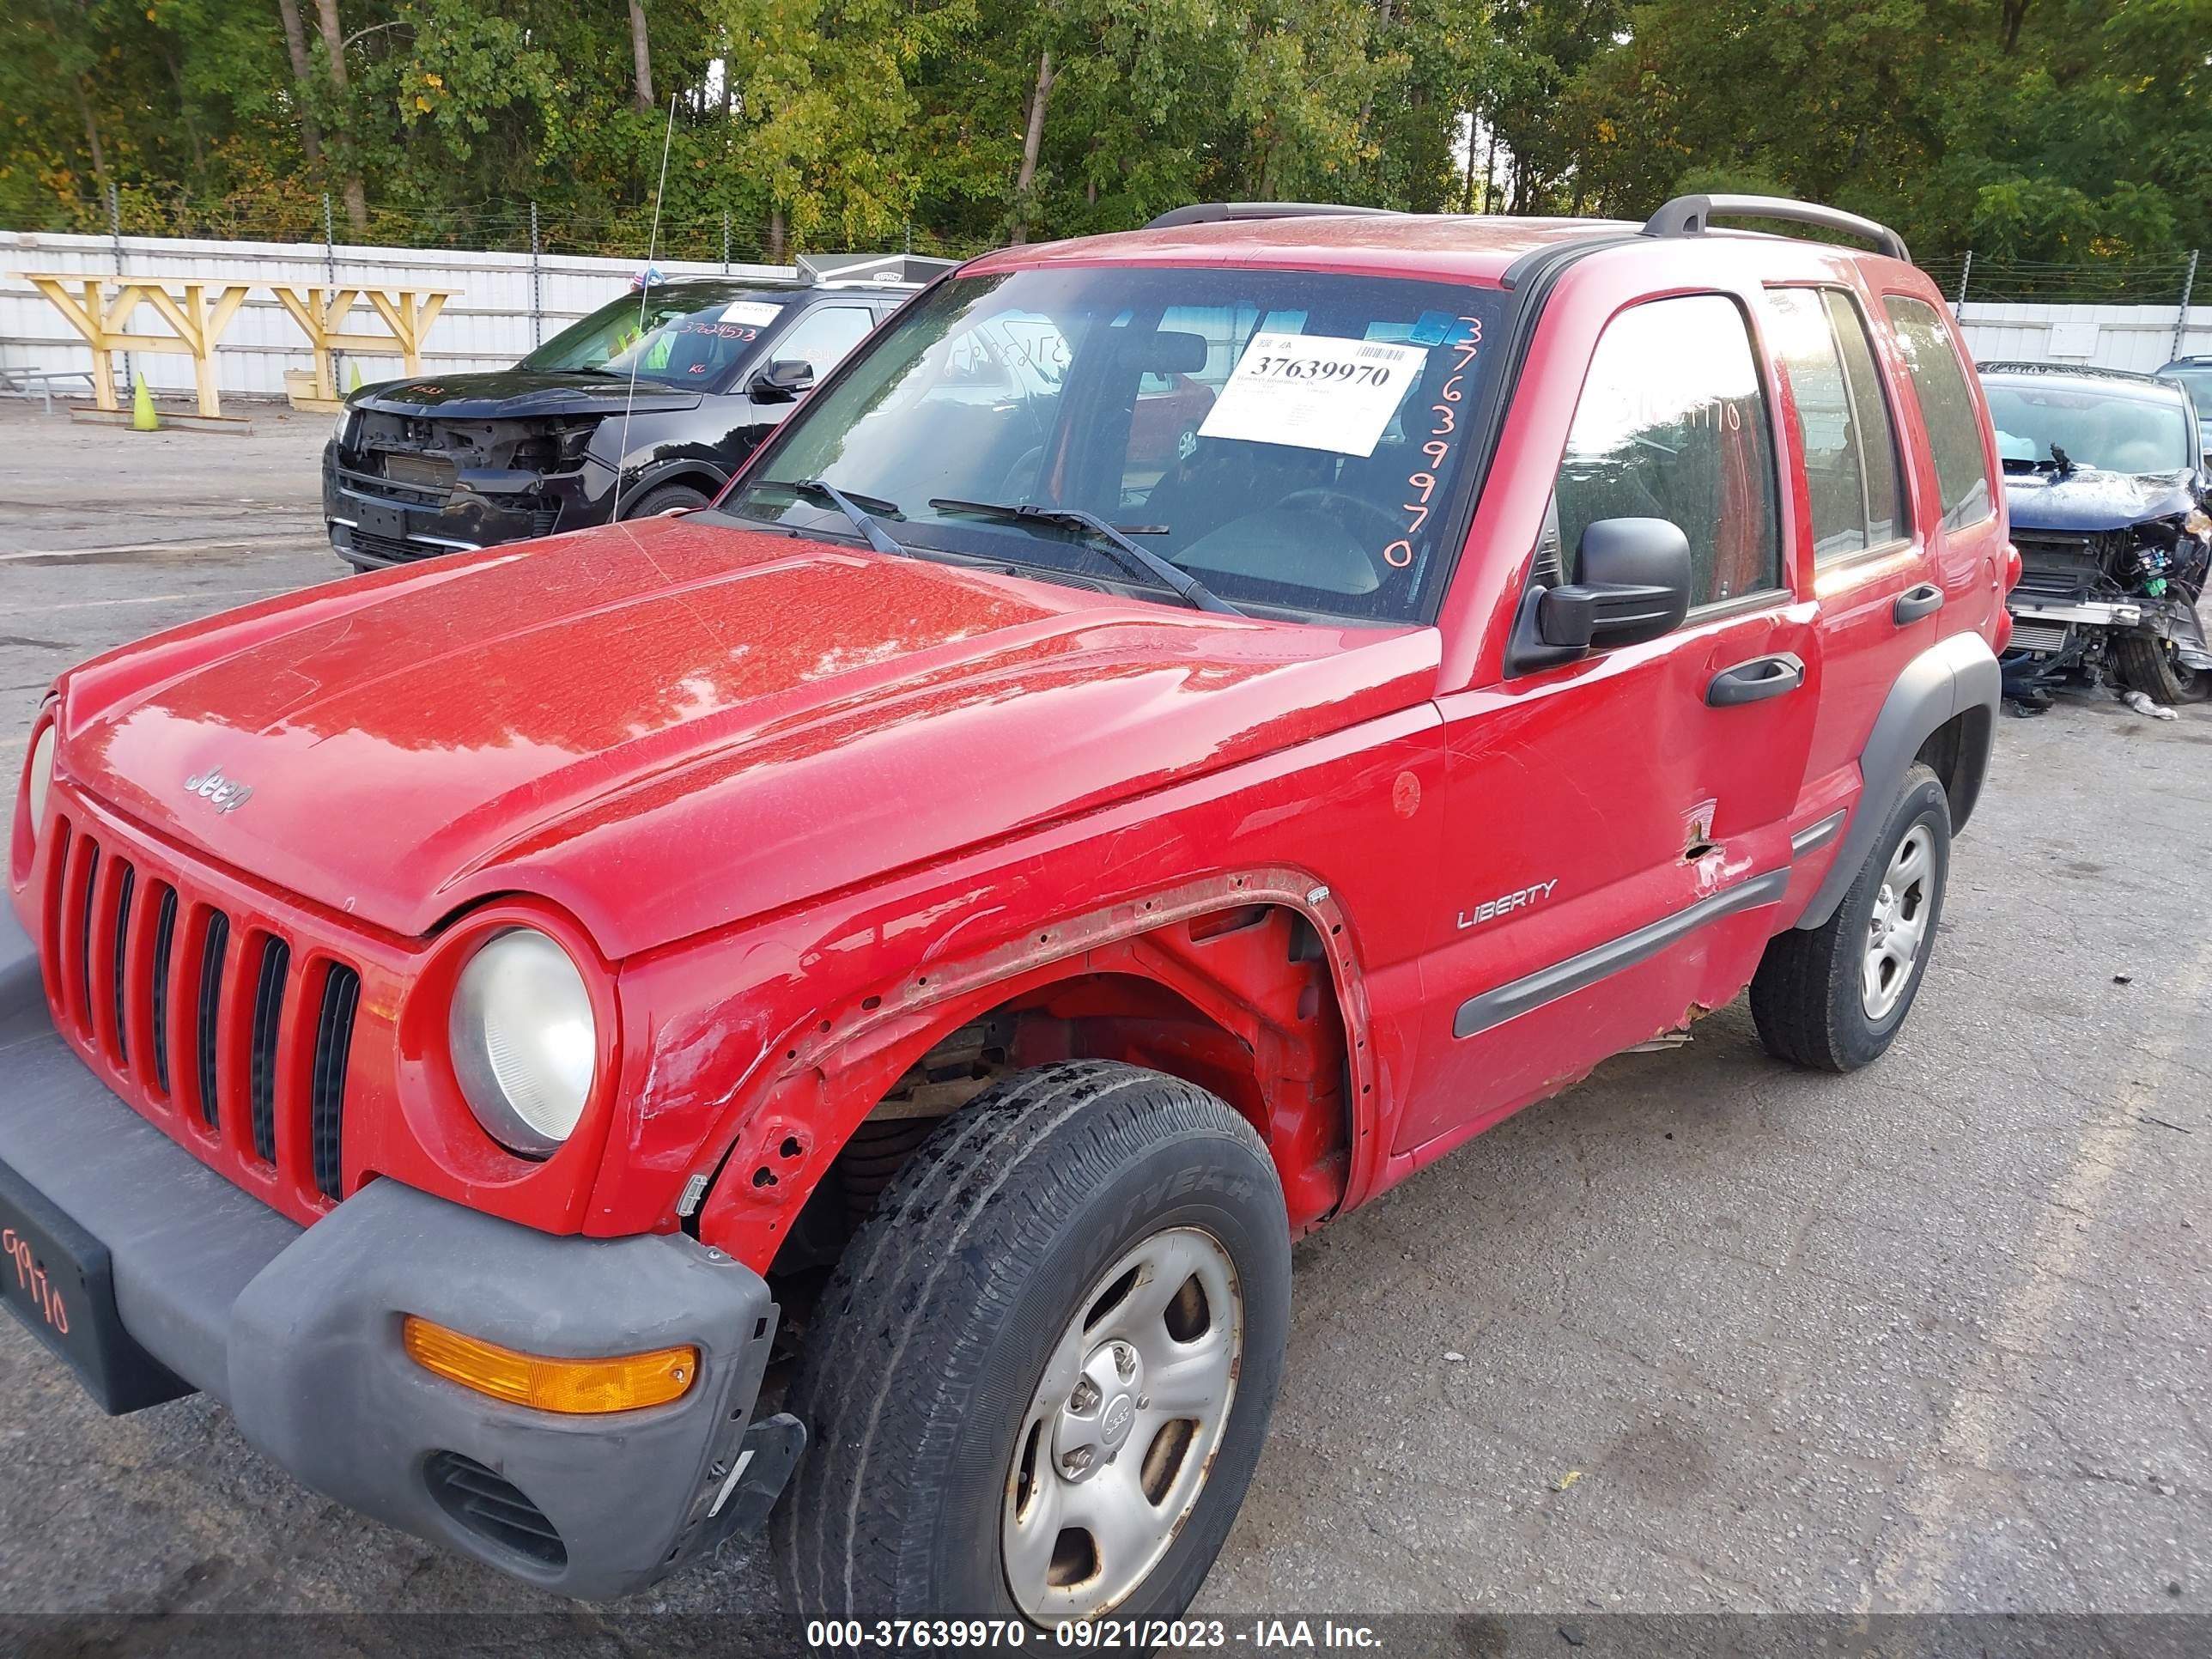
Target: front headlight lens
[[338, 432], [42, 774], [525, 1044]]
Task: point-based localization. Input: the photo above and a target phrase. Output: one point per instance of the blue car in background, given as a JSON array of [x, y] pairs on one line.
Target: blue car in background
[[2107, 479]]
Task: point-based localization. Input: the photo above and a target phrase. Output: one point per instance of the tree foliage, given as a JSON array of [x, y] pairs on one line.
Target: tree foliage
[[2028, 129]]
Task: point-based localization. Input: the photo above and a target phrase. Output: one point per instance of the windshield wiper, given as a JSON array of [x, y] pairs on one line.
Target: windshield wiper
[[1185, 586], [844, 504]]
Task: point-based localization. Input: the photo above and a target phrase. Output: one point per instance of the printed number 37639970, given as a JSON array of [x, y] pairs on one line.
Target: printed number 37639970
[[1321, 368]]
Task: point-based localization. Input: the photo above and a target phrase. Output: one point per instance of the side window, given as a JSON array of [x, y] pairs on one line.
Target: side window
[[1673, 424], [1946, 408], [1850, 447], [822, 337]]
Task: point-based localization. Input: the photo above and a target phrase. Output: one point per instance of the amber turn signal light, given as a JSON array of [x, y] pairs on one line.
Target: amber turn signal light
[[624, 1383]]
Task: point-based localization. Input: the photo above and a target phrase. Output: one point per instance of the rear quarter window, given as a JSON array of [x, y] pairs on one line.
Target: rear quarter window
[[1947, 410]]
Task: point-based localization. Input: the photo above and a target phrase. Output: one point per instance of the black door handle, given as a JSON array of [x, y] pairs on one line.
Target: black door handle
[[1760, 678], [1915, 603]]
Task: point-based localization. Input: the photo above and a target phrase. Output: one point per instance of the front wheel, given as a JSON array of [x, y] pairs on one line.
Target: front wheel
[[1039, 1382], [1833, 997], [669, 498], [2153, 666]]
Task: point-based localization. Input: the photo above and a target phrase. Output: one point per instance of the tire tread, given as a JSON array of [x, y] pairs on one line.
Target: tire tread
[[1805, 991], [939, 1253]]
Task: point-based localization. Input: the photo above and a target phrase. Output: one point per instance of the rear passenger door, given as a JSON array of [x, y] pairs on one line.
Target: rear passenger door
[[1864, 551], [1960, 469], [1892, 517], [1616, 831]]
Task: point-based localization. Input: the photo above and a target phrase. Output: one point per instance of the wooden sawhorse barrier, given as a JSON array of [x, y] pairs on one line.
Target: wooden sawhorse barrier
[[199, 321], [321, 313]]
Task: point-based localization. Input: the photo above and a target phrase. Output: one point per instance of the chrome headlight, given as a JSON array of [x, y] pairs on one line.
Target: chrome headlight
[[525, 1044], [41, 775]]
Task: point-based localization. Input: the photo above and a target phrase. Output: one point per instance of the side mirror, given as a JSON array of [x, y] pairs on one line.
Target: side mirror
[[782, 380], [1635, 587]]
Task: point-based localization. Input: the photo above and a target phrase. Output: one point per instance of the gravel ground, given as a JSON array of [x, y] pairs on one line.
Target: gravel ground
[[1703, 1334]]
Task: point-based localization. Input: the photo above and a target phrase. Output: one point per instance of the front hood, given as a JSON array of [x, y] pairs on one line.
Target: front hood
[[516, 394], [2088, 500], [668, 726]]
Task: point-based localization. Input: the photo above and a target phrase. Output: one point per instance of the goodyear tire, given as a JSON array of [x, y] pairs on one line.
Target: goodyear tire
[[1833, 997], [1039, 1381]]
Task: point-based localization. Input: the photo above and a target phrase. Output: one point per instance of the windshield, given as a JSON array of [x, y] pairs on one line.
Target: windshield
[[1292, 439], [680, 336], [2113, 431]]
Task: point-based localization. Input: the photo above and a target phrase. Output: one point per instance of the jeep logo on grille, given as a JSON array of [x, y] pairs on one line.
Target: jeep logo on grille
[[212, 786]]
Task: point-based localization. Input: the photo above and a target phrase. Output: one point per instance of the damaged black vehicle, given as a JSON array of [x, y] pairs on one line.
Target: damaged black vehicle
[[647, 405], [2108, 482]]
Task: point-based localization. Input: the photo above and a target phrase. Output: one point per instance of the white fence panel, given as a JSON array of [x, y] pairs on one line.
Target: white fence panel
[[2138, 337], [491, 322], [488, 325]]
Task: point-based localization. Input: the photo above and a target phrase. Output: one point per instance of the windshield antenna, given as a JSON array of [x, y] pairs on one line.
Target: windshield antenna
[[644, 294]]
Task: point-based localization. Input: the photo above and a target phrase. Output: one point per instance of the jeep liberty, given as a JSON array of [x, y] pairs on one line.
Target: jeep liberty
[[838, 1004]]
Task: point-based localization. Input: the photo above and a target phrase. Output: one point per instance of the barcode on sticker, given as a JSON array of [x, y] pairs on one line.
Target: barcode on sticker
[[1388, 353]]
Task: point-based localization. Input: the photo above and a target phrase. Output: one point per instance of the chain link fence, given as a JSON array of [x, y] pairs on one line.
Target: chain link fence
[[2163, 281], [691, 232], [687, 231]]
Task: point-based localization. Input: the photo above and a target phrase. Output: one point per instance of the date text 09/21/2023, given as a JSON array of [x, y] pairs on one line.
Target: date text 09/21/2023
[[1128, 1634]]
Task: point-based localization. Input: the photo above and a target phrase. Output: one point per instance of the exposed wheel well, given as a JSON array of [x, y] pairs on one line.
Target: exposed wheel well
[[1240, 1001]]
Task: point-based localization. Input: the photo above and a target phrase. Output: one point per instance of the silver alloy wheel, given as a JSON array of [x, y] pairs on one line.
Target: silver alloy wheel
[[1898, 925], [1115, 1447]]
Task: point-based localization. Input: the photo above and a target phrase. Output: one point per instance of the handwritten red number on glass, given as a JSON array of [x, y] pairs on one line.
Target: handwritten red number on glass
[[1437, 450]]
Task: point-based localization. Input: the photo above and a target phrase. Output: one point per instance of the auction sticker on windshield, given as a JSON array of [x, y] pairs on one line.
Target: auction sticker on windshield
[[1314, 392], [758, 312]]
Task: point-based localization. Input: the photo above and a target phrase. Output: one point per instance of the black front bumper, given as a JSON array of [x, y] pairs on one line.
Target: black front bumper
[[297, 1331], [375, 523]]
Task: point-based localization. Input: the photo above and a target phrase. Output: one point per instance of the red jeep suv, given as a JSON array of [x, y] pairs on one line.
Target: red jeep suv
[[839, 1003]]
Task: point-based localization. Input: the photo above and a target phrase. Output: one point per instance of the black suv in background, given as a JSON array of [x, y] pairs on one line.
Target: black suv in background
[[2106, 476], [447, 462]]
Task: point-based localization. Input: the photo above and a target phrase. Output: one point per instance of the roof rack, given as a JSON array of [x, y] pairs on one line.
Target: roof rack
[[2087, 371], [1212, 213], [1691, 215]]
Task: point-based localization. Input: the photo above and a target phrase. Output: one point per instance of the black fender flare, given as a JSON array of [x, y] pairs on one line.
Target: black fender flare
[[1954, 677], [675, 469]]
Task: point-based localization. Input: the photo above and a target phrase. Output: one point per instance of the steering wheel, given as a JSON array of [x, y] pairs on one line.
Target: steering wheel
[[1348, 511]]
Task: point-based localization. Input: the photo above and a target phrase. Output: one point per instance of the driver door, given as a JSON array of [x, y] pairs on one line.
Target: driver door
[[1617, 828]]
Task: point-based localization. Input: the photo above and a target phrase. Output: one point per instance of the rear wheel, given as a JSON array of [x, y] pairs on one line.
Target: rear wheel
[[1833, 997], [2153, 666], [1039, 1382]]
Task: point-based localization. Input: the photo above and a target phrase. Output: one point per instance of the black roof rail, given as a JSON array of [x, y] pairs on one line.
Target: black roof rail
[[2083, 371], [1690, 215], [1213, 213]]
